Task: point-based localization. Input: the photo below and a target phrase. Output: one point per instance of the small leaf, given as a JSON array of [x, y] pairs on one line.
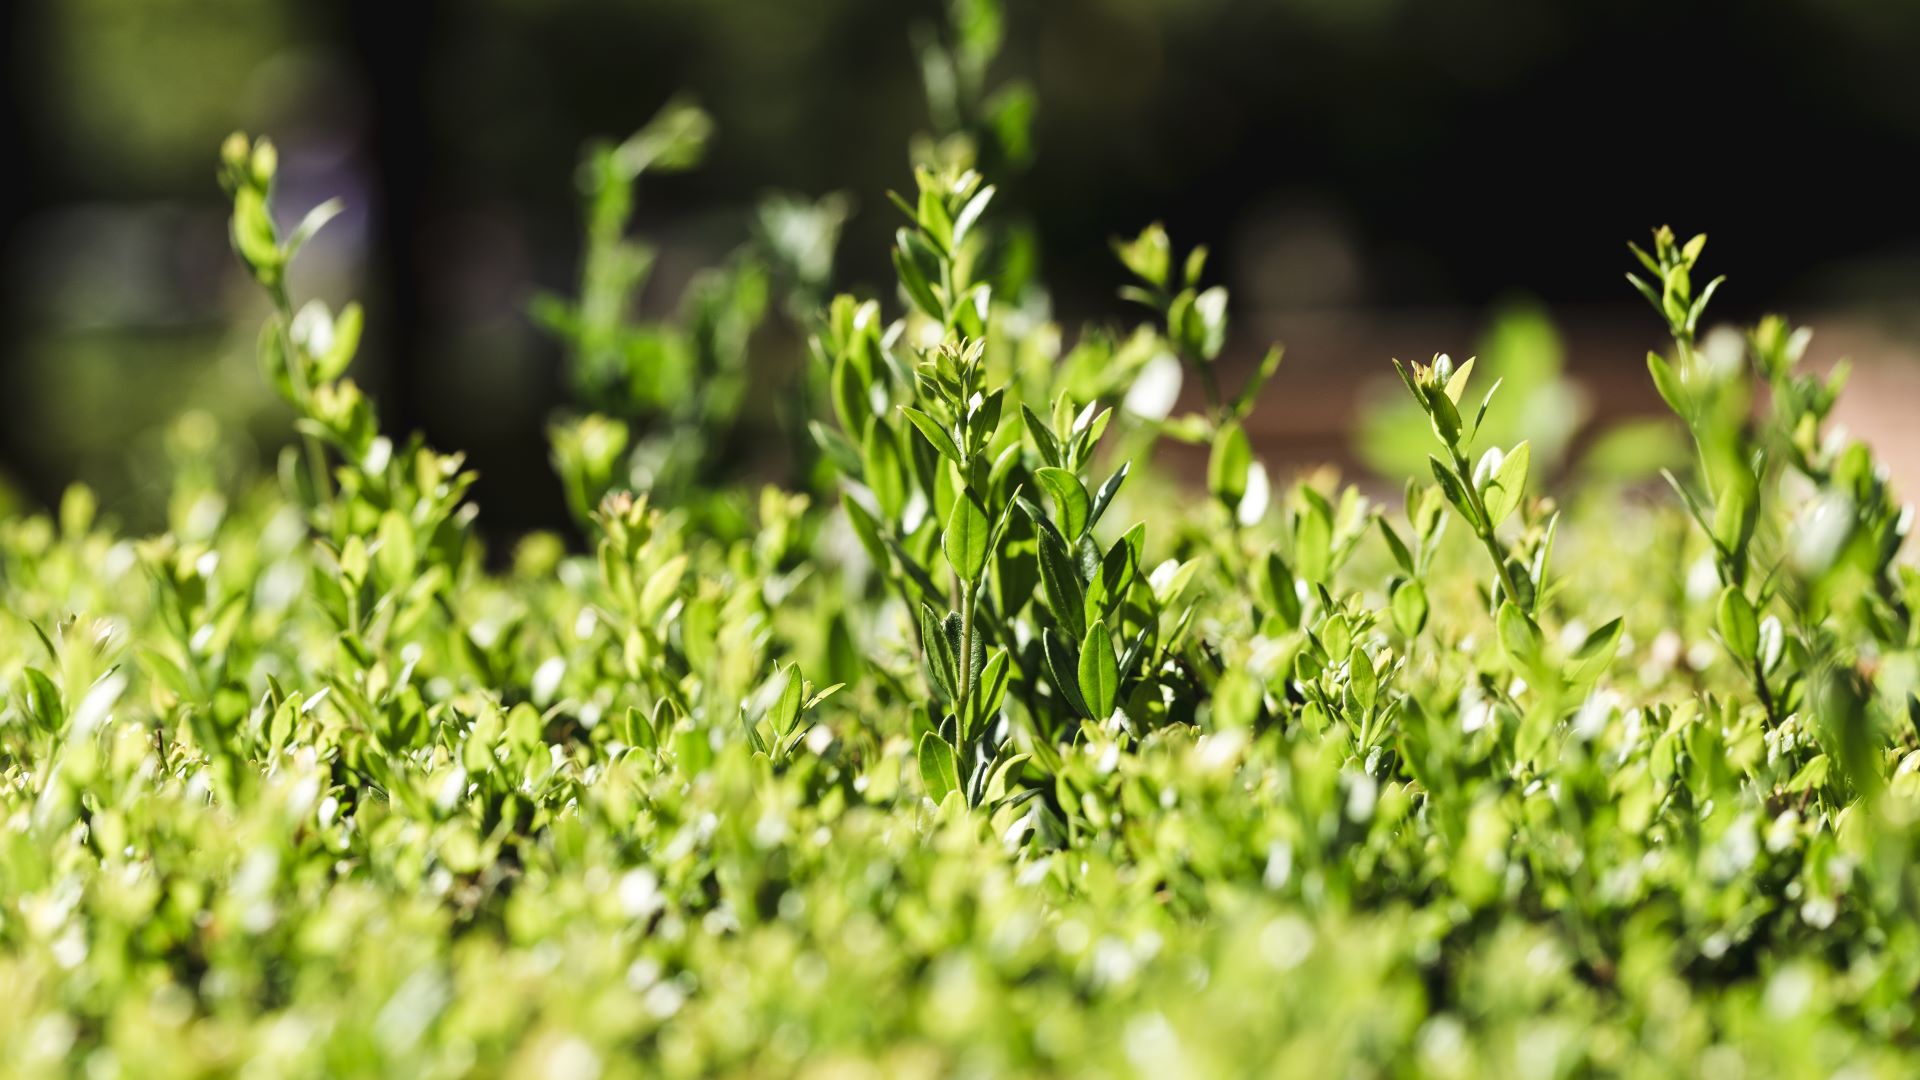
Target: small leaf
[[661, 586], [1099, 672], [943, 670], [938, 436], [1363, 680], [1044, 439], [1278, 591], [315, 220], [1739, 627], [1070, 502], [866, 528], [970, 213], [1228, 464], [1521, 640], [884, 470], [1772, 643], [1595, 654], [1665, 380], [909, 252], [836, 448], [1401, 555], [1409, 603], [1444, 415], [253, 235], [1243, 402], [1313, 537], [1457, 382], [938, 769], [1735, 512], [1455, 493], [785, 712], [990, 693], [1502, 491], [1104, 497], [1063, 668], [965, 540], [1065, 596]]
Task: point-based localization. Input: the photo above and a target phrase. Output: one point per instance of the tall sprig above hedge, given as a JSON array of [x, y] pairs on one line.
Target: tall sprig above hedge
[[1831, 556], [1195, 327]]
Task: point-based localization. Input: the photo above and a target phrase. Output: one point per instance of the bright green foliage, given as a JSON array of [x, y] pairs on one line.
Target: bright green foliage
[[674, 389], [1522, 350], [995, 753]]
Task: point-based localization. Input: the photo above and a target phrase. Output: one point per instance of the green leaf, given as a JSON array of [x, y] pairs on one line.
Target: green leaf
[[966, 538], [852, 392], [1362, 679], [1444, 415], [1595, 654], [253, 233], [1313, 537], [937, 435], [44, 702], [943, 670], [661, 586], [1739, 627], [1457, 382], [1665, 380], [315, 220], [1065, 596], [1735, 513], [989, 693], [1278, 590], [938, 768], [969, 214], [1043, 437], [1408, 601], [1456, 494], [785, 712], [867, 529], [1208, 323], [1070, 502], [1243, 402], [1099, 672], [885, 470], [1149, 256], [1104, 497], [1063, 669], [916, 262], [1502, 491], [347, 328], [1228, 464], [836, 448], [1397, 547], [1521, 640]]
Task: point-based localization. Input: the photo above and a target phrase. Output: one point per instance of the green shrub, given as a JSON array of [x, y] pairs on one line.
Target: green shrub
[[993, 752]]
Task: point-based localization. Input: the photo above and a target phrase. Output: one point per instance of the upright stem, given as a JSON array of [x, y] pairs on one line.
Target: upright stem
[[1765, 692], [966, 654], [1483, 527], [302, 392]]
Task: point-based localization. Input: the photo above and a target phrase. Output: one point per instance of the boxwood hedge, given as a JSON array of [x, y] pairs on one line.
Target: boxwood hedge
[[980, 744]]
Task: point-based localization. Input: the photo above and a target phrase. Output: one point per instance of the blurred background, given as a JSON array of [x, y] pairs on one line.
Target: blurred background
[[1375, 178]]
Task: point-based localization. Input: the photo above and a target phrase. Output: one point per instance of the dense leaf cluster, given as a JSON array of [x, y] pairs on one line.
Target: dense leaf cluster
[[985, 748]]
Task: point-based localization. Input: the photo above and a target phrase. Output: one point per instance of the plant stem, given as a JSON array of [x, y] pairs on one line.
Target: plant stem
[[302, 392], [966, 657], [1483, 526], [1765, 692]]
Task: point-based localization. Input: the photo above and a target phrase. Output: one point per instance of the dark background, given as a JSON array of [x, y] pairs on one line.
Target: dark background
[[1375, 158]]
